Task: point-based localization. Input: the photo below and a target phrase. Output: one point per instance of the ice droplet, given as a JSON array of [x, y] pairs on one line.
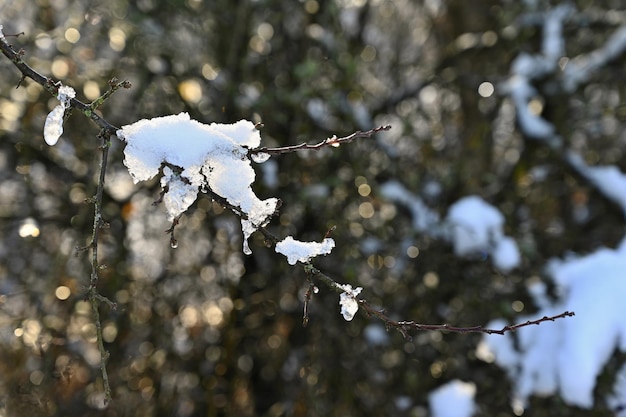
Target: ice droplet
[[246, 247], [260, 157], [349, 302], [173, 243], [53, 129]]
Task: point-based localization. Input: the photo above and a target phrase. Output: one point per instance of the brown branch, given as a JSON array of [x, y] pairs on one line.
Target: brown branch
[[52, 87], [405, 326], [92, 292], [333, 141], [106, 131], [401, 326]]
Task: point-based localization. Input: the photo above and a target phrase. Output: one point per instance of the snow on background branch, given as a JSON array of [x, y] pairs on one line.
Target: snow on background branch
[[569, 357]]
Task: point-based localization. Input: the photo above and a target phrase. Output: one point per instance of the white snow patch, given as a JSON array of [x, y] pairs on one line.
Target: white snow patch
[[506, 255], [53, 128], [260, 157], [581, 68], [201, 156], [569, 354], [553, 45], [477, 227], [454, 399], [526, 68], [180, 196], [609, 180], [424, 218], [522, 92], [348, 301], [297, 251]]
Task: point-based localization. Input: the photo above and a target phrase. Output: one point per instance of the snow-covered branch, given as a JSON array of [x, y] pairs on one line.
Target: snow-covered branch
[[16, 57], [350, 302]]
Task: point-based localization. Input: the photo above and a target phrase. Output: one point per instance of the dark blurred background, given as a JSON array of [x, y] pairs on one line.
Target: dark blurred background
[[203, 330]]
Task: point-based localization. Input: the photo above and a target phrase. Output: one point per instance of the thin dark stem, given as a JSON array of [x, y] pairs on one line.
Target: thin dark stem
[[333, 141], [114, 85], [404, 326], [107, 130], [92, 293]]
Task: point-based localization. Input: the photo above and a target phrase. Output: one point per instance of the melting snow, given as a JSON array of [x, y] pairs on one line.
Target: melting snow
[[297, 251], [195, 156], [348, 301], [53, 128]]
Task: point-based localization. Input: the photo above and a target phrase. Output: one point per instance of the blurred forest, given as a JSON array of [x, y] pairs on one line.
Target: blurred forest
[[203, 330]]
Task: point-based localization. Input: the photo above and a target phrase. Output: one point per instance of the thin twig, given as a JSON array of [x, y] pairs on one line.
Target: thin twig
[[333, 141], [107, 130], [405, 326], [92, 293], [114, 85], [52, 87]]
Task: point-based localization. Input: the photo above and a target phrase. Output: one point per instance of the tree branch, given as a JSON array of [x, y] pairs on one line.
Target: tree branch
[[52, 87], [107, 130], [405, 326], [333, 141]]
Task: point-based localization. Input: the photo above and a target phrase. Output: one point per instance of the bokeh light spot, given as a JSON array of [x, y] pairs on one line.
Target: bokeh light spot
[[59, 68], [190, 91], [29, 228], [72, 35], [91, 90], [366, 210], [62, 292], [431, 280], [486, 89], [412, 252], [117, 39]]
